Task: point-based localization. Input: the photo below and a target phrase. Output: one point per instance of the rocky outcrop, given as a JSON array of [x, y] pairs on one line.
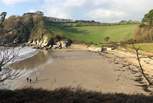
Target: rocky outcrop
[[27, 28]]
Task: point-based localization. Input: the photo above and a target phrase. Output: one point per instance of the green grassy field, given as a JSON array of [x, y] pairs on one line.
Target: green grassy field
[[94, 34], [147, 47]]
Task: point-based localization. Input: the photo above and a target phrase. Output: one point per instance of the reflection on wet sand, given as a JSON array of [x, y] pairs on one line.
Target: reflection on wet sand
[[34, 62]]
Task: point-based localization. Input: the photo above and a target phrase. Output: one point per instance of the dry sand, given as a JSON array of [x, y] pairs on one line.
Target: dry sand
[[130, 58], [87, 70]]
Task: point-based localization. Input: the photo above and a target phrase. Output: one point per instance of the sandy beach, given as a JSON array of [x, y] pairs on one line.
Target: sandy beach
[[86, 70], [78, 67]]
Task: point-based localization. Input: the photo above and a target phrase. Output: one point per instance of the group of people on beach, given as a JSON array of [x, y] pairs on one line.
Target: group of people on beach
[[29, 80]]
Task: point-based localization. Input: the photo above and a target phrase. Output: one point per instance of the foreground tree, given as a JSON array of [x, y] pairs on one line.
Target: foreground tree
[[149, 82], [7, 56]]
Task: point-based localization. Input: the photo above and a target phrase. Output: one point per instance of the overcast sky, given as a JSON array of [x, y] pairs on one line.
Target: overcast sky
[[100, 10]]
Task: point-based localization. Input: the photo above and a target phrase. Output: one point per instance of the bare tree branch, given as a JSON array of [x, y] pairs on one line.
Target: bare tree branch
[[7, 56], [140, 65]]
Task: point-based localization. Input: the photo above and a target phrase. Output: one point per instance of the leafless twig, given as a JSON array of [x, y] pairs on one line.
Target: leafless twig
[[140, 65], [7, 56]]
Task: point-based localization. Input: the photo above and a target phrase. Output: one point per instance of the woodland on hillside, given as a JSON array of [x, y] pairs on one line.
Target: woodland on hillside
[[144, 32]]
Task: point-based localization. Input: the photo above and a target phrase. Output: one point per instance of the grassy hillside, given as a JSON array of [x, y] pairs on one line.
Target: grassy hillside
[[36, 29], [147, 47], [94, 34]]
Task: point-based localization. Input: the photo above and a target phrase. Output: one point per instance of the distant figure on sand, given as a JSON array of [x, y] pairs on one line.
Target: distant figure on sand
[[30, 80], [27, 79]]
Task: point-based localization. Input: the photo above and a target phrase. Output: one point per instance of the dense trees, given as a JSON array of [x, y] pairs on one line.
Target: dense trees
[[148, 18], [144, 32], [21, 29]]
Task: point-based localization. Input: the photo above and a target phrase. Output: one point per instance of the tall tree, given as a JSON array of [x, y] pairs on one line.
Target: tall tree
[[148, 18]]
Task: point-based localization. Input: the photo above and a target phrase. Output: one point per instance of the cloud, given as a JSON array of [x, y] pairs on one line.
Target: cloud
[[13, 2], [57, 12], [101, 10], [74, 3], [103, 14], [61, 8]]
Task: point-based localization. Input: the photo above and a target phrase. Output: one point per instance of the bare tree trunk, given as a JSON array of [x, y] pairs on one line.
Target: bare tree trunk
[[141, 68]]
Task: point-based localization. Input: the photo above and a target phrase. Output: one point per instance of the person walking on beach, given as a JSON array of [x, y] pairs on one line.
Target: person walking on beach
[[27, 79], [30, 80]]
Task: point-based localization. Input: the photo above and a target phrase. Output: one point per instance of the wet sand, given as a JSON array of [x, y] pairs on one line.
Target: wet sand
[[87, 70], [18, 72]]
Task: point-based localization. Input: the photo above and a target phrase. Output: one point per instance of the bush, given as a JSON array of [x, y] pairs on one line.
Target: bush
[[68, 95]]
